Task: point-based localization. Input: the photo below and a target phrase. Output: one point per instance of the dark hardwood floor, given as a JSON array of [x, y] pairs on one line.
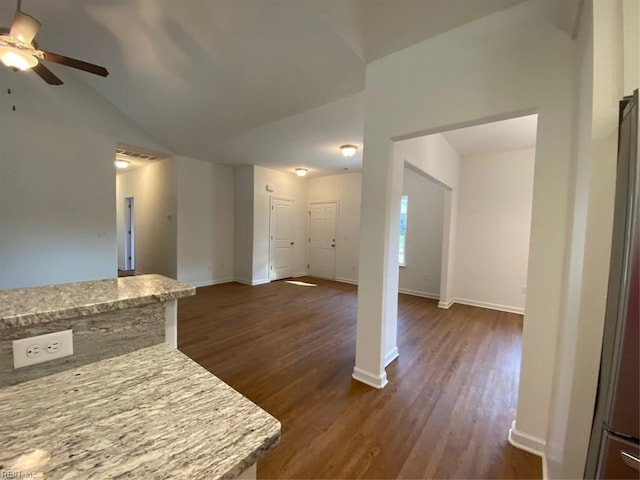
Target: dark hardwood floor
[[445, 413]]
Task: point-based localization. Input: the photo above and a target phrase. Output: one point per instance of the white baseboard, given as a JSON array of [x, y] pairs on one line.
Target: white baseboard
[[526, 442], [477, 303], [120, 267], [491, 306], [208, 283], [391, 356], [250, 282], [446, 305], [406, 291], [375, 381], [300, 274], [417, 293]]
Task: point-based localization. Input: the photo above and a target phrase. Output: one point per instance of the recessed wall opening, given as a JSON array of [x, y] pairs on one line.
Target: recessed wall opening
[[468, 224], [145, 212], [475, 185]]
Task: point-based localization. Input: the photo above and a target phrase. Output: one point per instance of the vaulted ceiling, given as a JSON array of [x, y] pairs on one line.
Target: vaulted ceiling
[[200, 75]]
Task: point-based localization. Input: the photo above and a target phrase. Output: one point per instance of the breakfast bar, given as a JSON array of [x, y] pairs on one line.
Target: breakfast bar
[[126, 403]]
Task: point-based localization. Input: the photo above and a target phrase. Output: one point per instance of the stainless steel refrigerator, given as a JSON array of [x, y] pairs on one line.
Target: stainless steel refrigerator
[[614, 451]]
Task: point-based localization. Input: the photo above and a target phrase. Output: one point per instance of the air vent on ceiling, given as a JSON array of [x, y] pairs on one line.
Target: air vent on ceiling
[[138, 155]]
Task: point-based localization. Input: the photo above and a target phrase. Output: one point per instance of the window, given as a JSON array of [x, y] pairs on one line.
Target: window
[[404, 202]]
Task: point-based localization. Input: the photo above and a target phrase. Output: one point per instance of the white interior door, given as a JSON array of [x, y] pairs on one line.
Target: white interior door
[[322, 240], [281, 239]]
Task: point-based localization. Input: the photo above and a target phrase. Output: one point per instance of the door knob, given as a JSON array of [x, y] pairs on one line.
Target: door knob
[[333, 244], [292, 243]]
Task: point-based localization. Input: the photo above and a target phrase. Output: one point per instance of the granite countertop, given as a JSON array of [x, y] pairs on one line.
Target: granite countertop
[[152, 414], [30, 306]]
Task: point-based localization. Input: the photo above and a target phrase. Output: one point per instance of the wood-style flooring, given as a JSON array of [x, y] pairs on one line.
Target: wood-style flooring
[[445, 413]]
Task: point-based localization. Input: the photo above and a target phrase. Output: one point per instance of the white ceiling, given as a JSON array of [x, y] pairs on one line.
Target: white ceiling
[[514, 134], [198, 74], [376, 28], [309, 139]]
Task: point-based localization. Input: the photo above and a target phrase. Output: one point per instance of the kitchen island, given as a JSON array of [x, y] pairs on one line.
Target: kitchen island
[[22, 307], [126, 403], [108, 318], [152, 414]]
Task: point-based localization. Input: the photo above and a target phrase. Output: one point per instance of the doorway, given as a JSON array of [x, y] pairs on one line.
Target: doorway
[[421, 231], [129, 236], [281, 236], [322, 240]]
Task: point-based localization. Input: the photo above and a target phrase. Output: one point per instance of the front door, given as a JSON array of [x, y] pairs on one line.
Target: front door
[[281, 239], [322, 240]]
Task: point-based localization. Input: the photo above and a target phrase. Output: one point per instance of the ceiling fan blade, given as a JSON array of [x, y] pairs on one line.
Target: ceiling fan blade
[[46, 74], [24, 27], [74, 63]]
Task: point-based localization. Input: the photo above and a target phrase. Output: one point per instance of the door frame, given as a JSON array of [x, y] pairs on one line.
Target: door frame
[[129, 234], [271, 218], [335, 255]]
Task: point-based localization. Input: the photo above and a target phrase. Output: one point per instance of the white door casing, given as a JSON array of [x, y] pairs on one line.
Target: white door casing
[[129, 235], [281, 235], [322, 239]]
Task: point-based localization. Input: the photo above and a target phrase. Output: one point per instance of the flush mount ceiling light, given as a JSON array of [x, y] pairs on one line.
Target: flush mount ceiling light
[[348, 150], [301, 172], [121, 163]]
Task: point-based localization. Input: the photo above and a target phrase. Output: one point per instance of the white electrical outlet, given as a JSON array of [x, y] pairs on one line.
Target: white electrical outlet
[[32, 350]]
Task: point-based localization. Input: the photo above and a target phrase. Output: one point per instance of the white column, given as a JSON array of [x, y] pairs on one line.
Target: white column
[[448, 248], [378, 265]]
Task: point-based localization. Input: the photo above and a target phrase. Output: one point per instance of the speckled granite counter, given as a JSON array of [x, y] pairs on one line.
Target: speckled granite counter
[[150, 414], [29, 306]]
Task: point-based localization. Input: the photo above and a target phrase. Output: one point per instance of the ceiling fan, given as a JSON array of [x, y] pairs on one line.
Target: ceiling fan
[[18, 50]]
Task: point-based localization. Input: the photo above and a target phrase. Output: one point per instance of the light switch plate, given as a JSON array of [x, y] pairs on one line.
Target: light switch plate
[[42, 348]]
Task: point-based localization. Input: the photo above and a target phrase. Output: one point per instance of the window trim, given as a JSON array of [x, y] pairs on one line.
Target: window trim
[[402, 237]]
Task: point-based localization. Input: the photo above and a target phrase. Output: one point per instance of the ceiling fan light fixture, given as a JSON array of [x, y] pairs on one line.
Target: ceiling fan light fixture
[[348, 150], [301, 172], [24, 27], [121, 163], [14, 58]]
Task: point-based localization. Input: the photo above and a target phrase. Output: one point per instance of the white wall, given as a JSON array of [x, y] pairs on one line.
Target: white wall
[[205, 222], [286, 186], [555, 454], [507, 64], [607, 67], [344, 189], [494, 223], [57, 180], [434, 156], [423, 249], [243, 224], [154, 190]]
